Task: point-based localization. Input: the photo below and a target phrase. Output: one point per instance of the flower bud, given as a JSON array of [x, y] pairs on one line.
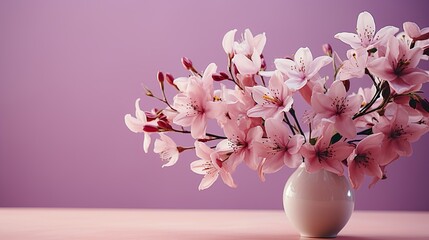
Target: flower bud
[[150, 128], [160, 76], [187, 63], [149, 93], [170, 79], [220, 76], [327, 49], [164, 125]]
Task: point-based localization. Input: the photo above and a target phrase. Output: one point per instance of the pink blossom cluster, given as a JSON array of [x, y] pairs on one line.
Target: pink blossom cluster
[[361, 131]]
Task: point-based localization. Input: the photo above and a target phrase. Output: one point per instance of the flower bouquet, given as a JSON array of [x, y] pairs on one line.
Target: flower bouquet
[[253, 106]]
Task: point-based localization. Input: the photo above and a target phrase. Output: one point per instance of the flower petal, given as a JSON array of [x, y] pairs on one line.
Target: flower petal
[[365, 28], [285, 65], [273, 163], [382, 68], [146, 142], [345, 126], [411, 29], [202, 150], [133, 124], [333, 166], [244, 64], [199, 166], [199, 126], [208, 180], [227, 179], [383, 35], [317, 64], [303, 57], [259, 42], [296, 83], [356, 175], [228, 41], [373, 169], [349, 38]]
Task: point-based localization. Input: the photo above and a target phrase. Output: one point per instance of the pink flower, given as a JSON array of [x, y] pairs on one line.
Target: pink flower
[[408, 41], [195, 105], [337, 108], [399, 133], [136, 124], [399, 67], [366, 36], [272, 101], [243, 145], [414, 31], [324, 155], [167, 150], [206, 80], [247, 46], [302, 69], [355, 66], [238, 102], [365, 160], [210, 165], [282, 148], [246, 65]]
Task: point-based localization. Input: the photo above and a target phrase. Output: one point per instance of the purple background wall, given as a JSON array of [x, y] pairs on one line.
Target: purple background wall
[[70, 70]]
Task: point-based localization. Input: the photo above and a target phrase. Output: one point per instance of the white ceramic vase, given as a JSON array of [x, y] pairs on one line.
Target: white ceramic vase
[[318, 204]]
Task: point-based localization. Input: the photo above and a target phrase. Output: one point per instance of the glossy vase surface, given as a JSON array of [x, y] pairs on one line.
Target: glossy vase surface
[[318, 204]]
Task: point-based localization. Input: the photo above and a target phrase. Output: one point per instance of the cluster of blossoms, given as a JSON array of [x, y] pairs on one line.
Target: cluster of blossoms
[[363, 131]]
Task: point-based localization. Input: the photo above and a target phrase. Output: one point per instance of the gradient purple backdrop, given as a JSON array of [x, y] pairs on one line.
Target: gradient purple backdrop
[[71, 70]]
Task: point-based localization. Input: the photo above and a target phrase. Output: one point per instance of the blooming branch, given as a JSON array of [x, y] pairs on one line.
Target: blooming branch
[[259, 125]]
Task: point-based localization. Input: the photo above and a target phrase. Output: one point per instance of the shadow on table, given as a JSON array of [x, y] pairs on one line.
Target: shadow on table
[[368, 238], [199, 235], [250, 236]]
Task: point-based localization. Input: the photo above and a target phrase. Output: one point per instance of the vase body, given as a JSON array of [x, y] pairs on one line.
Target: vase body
[[317, 204]]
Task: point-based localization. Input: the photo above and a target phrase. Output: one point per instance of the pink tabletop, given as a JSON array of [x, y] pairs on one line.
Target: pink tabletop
[[94, 224]]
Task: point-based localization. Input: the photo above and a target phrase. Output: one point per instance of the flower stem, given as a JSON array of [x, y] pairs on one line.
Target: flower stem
[[208, 134], [263, 80], [181, 149], [150, 94], [166, 101], [286, 119], [372, 78], [292, 112], [364, 110], [230, 72]]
